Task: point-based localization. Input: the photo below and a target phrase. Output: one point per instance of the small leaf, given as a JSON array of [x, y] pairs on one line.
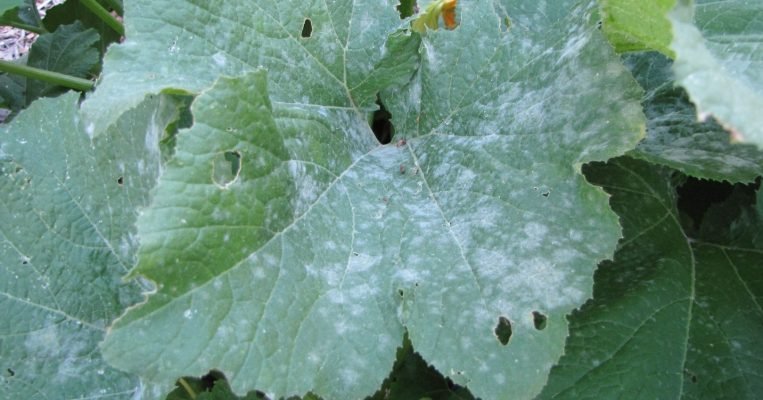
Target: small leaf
[[637, 25]]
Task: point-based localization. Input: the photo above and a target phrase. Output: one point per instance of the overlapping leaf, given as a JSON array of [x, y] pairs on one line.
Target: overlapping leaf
[[67, 213], [635, 25], [291, 251], [674, 136], [69, 50], [720, 63], [672, 317]]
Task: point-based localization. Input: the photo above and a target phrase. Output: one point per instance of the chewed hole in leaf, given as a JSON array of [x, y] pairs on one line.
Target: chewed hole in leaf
[[120, 181], [226, 168], [539, 320], [406, 8], [307, 28], [503, 330], [11, 372], [381, 124]]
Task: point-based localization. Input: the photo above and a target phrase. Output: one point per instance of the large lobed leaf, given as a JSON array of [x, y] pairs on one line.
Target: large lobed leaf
[[67, 213], [672, 316], [291, 251]]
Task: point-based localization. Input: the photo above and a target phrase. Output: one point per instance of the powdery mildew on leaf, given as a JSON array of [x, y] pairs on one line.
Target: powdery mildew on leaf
[[188, 45], [717, 47], [304, 272], [674, 136], [67, 237]]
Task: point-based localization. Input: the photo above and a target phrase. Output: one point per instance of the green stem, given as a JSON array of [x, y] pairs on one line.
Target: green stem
[[55, 78], [29, 28], [104, 15], [187, 388]]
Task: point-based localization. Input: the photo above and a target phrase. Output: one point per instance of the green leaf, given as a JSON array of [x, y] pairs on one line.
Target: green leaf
[[6, 5], [719, 62], [637, 25], [674, 136], [672, 317], [302, 269], [69, 50], [412, 379], [70, 12], [25, 15], [68, 208], [407, 8]]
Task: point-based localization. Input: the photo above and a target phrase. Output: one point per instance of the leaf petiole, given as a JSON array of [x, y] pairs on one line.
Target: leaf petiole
[[104, 15], [55, 78]]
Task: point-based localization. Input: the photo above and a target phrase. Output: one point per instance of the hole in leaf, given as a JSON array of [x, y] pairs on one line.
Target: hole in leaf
[[695, 196], [401, 292], [694, 379], [226, 168], [406, 8], [120, 181], [381, 123], [307, 28], [539, 320], [11, 372], [413, 378], [545, 194], [503, 330]]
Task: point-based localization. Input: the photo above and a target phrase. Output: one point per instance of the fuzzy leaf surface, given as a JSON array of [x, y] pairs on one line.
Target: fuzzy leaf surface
[[291, 250], [672, 317], [719, 60], [67, 237]]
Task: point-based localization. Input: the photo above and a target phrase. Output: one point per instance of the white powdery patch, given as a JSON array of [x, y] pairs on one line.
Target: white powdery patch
[[308, 189], [67, 348], [220, 59], [534, 236]]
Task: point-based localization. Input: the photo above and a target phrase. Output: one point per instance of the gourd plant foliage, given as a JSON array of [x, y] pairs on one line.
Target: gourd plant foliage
[[549, 219]]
